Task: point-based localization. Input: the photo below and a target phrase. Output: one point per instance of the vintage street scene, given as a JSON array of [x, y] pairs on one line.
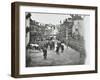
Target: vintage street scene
[[54, 39]]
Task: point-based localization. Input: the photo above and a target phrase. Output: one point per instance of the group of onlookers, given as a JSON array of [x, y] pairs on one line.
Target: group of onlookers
[[44, 46], [58, 45]]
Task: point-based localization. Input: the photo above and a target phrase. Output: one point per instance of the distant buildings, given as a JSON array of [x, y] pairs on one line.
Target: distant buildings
[[36, 31], [77, 29], [65, 29], [71, 28], [68, 28]]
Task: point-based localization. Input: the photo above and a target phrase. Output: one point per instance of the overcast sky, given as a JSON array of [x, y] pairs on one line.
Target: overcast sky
[[48, 18]]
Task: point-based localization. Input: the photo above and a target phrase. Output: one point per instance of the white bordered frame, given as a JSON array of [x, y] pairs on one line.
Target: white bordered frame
[[39, 10]]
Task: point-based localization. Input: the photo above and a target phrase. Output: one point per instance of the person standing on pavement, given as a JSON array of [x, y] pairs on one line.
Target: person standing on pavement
[[62, 47], [53, 45], [44, 49], [58, 47]]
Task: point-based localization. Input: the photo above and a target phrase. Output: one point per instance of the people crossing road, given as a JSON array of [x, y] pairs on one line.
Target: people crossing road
[[49, 57]]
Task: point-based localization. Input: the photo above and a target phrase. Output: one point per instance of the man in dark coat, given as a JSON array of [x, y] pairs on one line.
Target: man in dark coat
[[62, 47], [58, 47], [44, 49]]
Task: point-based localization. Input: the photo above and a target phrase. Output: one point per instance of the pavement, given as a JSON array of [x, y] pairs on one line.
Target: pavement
[[68, 57]]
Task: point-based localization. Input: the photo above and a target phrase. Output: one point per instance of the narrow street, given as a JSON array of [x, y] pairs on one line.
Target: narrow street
[[68, 57], [43, 29]]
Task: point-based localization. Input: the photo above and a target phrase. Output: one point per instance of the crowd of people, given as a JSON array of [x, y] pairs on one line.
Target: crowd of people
[[57, 45], [48, 44]]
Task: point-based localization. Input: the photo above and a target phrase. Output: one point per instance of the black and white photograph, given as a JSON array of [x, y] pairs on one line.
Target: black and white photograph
[[52, 39], [55, 39]]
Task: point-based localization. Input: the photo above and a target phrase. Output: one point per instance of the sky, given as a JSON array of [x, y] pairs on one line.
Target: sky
[[47, 18]]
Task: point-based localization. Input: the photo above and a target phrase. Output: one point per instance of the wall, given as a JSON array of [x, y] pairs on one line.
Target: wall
[[5, 40]]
